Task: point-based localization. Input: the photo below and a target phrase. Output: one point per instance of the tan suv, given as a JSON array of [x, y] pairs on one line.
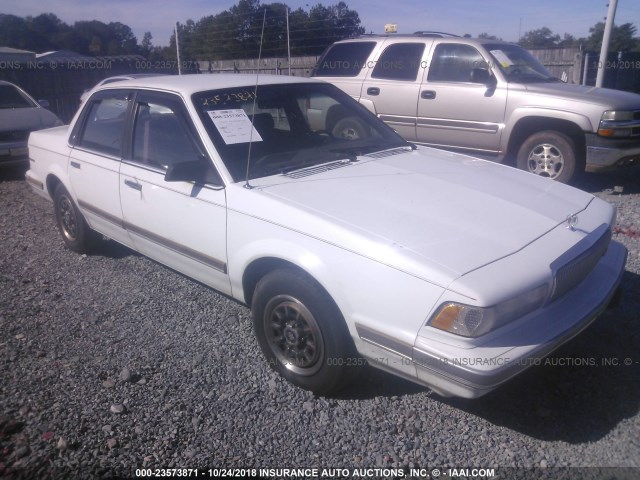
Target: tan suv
[[485, 97]]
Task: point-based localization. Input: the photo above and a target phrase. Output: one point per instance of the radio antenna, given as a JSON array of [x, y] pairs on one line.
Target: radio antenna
[[255, 97]]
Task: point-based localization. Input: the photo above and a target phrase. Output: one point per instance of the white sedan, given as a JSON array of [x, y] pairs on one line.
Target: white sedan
[[349, 244]]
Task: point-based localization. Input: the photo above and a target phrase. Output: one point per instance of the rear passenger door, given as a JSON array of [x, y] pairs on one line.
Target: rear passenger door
[[94, 162], [392, 86], [181, 224]]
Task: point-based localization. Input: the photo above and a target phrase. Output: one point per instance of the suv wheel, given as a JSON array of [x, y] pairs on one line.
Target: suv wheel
[[548, 154], [349, 128]]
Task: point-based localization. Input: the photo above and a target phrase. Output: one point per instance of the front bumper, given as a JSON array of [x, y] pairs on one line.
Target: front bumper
[[604, 153], [473, 372], [14, 153]]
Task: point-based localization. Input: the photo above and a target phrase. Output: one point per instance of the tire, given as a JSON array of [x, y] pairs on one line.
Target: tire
[[302, 333], [349, 128], [75, 232], [548, 154]]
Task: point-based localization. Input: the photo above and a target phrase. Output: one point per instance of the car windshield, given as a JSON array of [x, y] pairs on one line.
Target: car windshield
[[282, 128], [518, 65], [11, 97]]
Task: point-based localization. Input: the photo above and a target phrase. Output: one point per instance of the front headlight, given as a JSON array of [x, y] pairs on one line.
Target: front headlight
[[618, 123], [618, 115], [470, 321]]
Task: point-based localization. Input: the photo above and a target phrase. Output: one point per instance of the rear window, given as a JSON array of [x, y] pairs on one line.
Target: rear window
[[344, 59]]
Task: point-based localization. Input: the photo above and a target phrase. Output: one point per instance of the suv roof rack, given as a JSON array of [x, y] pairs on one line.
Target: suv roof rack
[[421, 33], [428, 33]]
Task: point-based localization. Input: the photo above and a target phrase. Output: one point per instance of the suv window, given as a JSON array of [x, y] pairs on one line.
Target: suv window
[[454, 63], [104, 124], [344, 59], [400, 61]]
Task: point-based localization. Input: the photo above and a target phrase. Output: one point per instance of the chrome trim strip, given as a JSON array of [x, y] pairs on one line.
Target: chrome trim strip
[[101, 213], [35, 183], [384, 341], [396, 120], [176, 247], [152, 237], [482, 127]]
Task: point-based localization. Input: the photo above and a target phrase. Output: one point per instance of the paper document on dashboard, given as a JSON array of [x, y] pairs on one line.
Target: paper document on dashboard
[[234, 126]]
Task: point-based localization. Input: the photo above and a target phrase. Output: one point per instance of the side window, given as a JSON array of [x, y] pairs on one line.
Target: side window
[[104, 124], [454, 63], [344, 59], [161, 134], [399, 62]]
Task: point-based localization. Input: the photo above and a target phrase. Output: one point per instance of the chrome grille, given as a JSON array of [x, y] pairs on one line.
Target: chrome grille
[[575, 270]]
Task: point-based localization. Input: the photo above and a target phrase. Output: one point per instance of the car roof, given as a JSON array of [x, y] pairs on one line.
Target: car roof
[[193, 83], [383, 37]]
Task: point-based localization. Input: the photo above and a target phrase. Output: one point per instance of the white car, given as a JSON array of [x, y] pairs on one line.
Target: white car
[[450, 271], [116, 78]]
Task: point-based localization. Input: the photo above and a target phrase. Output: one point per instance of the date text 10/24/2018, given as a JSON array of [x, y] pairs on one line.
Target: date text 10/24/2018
[[390, 473]]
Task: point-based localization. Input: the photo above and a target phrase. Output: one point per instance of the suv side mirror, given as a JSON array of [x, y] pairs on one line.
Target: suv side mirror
[[482, 75]]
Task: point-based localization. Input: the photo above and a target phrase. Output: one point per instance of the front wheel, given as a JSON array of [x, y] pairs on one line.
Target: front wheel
[[349, 128], [76, 234], [548, 154], [301, 332]]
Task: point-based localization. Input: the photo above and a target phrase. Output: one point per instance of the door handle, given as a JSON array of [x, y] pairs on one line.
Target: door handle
[[428, 94], [133, 184], [373, 91], [75, 164]]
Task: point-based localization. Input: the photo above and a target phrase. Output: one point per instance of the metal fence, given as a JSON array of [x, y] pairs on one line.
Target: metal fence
[[62, 82]]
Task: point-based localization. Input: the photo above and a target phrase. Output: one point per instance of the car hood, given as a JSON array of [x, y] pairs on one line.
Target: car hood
[[30, 119], [426, 212], [606, 97]]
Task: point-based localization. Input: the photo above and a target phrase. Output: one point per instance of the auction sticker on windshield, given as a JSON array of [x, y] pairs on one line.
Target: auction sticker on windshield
[[234, 126]]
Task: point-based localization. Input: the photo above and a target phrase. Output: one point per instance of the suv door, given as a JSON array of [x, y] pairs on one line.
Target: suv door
[[392, 86], [179, 223], [453, 111]]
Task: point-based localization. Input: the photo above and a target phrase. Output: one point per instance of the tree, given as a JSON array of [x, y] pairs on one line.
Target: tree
[[488, 37], [236, 32], [540, 38], [622, 38]]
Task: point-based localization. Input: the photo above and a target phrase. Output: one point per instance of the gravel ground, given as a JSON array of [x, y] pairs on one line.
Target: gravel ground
[[111, 362]]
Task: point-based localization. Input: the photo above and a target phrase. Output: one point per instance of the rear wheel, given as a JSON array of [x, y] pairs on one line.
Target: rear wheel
[[301, 331], [549, 154], [75, 232]]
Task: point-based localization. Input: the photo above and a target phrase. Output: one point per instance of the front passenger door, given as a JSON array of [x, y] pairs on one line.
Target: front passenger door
[[453, 110], [181, 224]]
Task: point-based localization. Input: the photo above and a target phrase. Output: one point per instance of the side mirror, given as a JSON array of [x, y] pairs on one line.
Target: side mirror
[[483, 76], [44, 103], [199, 171]]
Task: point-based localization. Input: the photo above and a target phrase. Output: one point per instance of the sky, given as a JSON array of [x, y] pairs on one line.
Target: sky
[[506, 19]]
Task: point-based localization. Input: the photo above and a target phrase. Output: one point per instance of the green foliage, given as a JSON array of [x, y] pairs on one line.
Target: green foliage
[[623, 39], [236, 33], [233, 33], [47, 32]]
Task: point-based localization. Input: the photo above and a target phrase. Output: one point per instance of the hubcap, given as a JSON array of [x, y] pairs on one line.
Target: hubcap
[[68, 219], [546, 160], [349, 134], [293, 335]]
